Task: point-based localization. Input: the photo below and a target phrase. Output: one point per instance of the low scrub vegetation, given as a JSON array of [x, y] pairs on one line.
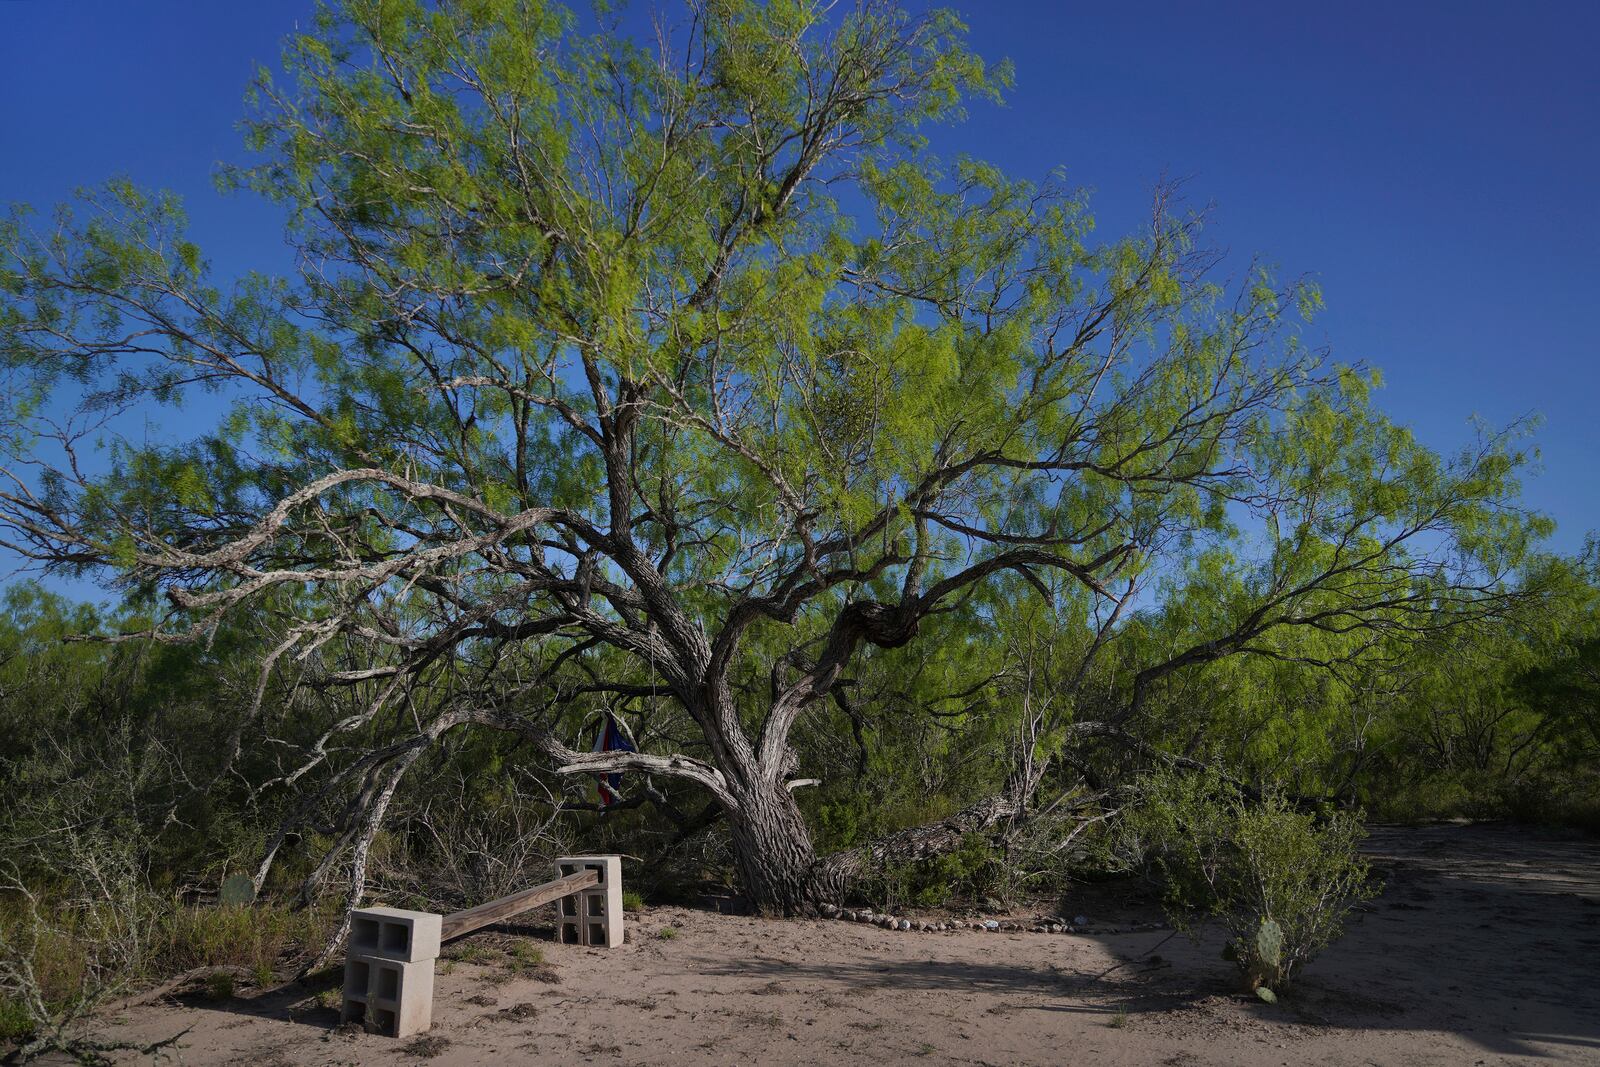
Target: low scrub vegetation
[[1279, 880]]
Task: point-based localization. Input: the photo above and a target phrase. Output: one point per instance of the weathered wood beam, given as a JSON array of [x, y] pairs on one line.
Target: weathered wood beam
[[464, 922]]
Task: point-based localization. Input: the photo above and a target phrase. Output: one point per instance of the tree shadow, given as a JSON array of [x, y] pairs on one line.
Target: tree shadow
[[1490, 934], [1139, 990], [294, 1001], [297, 1000]]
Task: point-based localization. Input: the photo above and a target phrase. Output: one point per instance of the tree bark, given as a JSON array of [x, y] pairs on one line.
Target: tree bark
[[932, 839], [773, 852]]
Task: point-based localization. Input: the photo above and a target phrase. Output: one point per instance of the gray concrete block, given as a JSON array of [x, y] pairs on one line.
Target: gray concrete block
[[395, 934], [592, 916], [387, 996]]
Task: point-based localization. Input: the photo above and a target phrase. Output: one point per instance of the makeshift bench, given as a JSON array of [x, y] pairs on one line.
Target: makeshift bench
[[388, 969]]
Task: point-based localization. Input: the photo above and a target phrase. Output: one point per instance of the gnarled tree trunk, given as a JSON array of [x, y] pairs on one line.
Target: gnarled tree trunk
[[773, 852], [931, 839]]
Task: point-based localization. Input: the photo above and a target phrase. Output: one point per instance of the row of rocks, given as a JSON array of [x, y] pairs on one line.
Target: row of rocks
[[1048, 925]]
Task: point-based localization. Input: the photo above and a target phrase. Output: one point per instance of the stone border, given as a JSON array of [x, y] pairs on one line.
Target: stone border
[[1047, 925]]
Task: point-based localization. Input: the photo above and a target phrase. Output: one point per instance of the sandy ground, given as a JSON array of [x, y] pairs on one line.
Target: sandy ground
[[1484, 949]]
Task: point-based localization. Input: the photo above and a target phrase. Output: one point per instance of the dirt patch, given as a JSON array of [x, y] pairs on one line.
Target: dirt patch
[[1491, 961]]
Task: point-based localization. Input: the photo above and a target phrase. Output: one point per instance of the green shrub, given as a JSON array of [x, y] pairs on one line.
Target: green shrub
[[254, 937], [971, 871], [16, 1025], [524, 958], [632, 900], [60, 958], [1279, 880], [219, 985]]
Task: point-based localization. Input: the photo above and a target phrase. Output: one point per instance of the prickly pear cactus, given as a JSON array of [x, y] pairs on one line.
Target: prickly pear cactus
[[1269, 943], [1267, 954], [238, 891]]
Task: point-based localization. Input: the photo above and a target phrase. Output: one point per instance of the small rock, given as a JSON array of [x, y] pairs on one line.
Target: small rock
[[1055, 928], [1080, 920], [990, 924], [905, 924], [863, 916]]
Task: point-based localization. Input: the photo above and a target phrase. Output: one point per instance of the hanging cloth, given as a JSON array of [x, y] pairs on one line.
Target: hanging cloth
[[610, 739]]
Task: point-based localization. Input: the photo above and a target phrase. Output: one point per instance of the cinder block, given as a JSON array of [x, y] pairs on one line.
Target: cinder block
[[395, 934], [591, 916], [387, 996]]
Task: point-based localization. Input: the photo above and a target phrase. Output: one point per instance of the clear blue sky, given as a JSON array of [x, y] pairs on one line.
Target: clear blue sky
[[1434, 165]]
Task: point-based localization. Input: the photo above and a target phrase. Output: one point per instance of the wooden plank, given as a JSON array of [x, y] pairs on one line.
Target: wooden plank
[[464, 922]]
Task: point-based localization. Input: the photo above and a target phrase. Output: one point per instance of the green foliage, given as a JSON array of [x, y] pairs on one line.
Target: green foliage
[[969, 872], [526, 959], [475, 953], [254, 939], [65, 945], [1279, 880], [16, 1025], [527, 952], [707, 394]]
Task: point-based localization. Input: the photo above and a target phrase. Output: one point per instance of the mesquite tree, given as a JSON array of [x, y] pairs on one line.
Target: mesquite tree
[[664, 367]]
